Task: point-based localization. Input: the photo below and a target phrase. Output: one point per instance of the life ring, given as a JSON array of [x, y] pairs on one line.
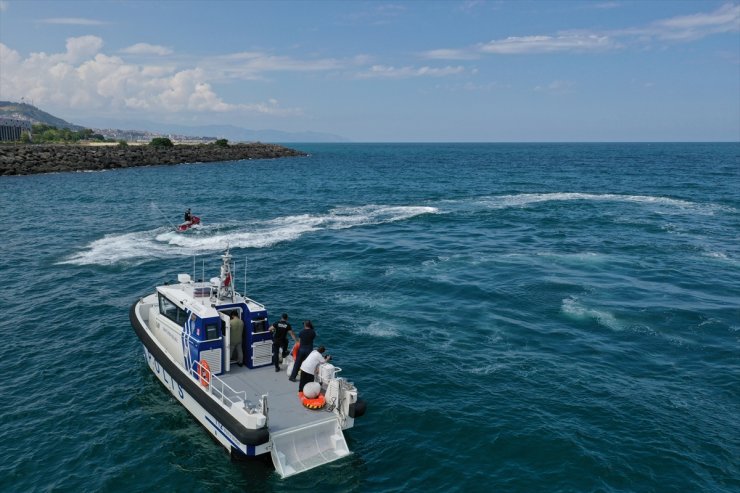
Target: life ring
[[204, 373], [316, 403], [295, 351]]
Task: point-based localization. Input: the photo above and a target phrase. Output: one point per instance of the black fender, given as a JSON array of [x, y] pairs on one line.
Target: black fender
[[357, 409]]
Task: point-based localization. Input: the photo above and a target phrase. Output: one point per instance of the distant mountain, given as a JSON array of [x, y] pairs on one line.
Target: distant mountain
[[34, 115], [230, 132]]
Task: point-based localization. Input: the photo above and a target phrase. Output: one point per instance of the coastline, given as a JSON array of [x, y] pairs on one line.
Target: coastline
[[30, 159]]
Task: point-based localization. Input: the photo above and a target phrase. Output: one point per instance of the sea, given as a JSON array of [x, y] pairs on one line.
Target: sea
[[518, 317]]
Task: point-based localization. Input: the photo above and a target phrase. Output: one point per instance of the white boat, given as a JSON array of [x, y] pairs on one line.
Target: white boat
[[252, 409]]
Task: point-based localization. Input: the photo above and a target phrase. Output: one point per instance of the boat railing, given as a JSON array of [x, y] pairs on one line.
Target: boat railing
[[220, 389], [195, 341], [327, 373]]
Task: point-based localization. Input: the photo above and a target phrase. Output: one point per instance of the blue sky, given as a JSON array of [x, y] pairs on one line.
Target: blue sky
[[498, 71]]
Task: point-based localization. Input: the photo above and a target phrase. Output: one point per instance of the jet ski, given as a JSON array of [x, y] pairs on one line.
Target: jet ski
[[189, 224]]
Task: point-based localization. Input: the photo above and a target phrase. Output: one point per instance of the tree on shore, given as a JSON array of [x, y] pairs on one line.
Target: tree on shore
[[221, 143], [48, 133], [161, 142]]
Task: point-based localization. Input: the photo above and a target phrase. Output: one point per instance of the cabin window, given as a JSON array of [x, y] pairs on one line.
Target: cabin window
[[172, 311], [212, 331], [260, 325]]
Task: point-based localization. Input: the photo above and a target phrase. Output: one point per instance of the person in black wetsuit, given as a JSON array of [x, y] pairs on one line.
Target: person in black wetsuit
[[280, 331], [188, 216], [306, 336]]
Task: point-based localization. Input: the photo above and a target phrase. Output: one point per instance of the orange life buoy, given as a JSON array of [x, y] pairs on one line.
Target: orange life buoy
[[295, 350], [315, 403], [204, 372]]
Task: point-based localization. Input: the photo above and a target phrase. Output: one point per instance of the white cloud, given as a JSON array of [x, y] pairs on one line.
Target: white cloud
[[8, 56], [602, 5], [690, 27], [557, 87], [146, 49], [253, 62], [471, 5], [74, 21], [271, 107], [390, 72], [82, 77], [548, 44], [728, 15], [156, 71], [567, 42], [362, 59], [675, 29], [253, 65], [450, 54], [83, 47], [473, 87], [377, 14]]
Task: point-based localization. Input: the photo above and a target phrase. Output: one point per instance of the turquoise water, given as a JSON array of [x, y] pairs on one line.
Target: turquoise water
[[530, 317]]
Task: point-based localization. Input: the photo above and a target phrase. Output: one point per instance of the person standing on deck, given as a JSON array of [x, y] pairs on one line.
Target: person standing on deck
[[236, 334], [280, 330], [306, 336]]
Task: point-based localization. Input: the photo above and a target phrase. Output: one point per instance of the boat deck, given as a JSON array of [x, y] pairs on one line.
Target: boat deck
[[285, 409]]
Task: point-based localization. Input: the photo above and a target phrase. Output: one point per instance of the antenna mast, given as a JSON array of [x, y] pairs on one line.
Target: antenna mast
[[226, 284]]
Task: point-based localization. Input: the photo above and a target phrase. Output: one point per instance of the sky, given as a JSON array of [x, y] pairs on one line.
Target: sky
[[376, 71]]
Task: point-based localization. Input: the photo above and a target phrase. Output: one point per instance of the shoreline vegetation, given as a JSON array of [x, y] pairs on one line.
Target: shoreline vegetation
[[27, 159]]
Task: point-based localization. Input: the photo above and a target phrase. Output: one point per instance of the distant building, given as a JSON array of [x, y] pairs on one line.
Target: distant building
[[11, 129]]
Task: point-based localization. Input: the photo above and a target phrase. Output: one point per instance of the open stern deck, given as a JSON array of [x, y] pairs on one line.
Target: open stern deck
[[286, 411], [301, 438]]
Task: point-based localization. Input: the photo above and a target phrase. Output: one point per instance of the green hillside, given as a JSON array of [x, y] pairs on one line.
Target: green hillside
[[35, 115]]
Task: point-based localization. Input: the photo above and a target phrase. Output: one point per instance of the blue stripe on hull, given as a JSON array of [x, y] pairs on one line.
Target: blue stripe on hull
[[218, 429]]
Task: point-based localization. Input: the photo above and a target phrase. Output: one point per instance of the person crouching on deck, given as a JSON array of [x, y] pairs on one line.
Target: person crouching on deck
[[310, 365]]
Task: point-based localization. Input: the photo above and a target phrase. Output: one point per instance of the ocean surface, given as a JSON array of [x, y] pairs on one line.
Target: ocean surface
[[519, 317]]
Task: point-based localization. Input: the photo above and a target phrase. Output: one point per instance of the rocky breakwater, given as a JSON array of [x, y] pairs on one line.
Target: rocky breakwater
[[19, 159]]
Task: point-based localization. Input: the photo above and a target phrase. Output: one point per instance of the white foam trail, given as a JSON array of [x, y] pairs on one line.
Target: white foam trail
[[162, 242], [581, 257], [112, 249], [523, 199], [485, 369], [347, 217], [721, 257], [572, 308], [377, 329]]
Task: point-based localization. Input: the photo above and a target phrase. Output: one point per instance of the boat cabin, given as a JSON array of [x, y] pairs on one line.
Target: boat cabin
[[195, 318]]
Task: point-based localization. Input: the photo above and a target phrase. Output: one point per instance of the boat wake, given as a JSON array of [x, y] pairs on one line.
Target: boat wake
[[163, 242], [525, 199], [574, 308]]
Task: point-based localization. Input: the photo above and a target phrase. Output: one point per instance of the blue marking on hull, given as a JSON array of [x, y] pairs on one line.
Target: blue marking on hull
[[218, 429], [250, 448]]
